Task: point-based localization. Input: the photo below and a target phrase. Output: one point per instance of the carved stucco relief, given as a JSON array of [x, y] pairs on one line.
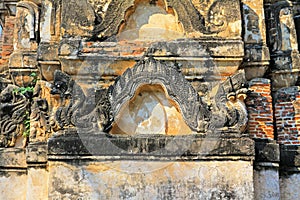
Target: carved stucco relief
[[198, 18], [283, 45], [27, 25], [171, 93], [14, 109], [151, 72], [227, 111]]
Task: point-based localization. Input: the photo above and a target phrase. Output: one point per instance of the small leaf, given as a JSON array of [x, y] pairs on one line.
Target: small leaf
[[33, 74]]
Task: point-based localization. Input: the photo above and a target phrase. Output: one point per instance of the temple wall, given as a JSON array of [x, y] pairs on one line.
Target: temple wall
[[266, 184], [150, 180], [140, 99], [288, 184]]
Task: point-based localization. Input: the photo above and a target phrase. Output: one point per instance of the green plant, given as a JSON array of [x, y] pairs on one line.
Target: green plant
[[27, 91], [24, 90], [30, 87], [35, 77]]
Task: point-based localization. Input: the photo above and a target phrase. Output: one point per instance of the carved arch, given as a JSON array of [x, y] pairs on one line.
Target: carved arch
[[297, 26], [135, 22], [152, 72], [34, 12], [131, 10], [274, 25], [109, 25]]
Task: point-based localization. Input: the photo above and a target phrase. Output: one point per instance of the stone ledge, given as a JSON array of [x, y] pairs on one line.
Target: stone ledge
[[13, 158], [184, 48], [150, 147], [290, 157], [36, 153], [266, 151]]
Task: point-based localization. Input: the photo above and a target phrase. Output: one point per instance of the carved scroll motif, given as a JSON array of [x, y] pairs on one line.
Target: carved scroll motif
[[202, 16], [13, 114], [227, 112], [282, 36], [76, 109], [151, 72]]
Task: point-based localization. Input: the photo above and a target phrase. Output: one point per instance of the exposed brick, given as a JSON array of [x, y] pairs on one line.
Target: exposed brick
[[7, 41], [260, 109], [287, 115]]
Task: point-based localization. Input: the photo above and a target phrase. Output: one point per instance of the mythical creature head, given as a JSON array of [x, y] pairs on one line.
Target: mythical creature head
[[62, 85]]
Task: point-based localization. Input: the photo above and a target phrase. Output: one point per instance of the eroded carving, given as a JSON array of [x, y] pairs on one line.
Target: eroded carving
[[227, 111], [77, 107], [216, 16], [149, 72], [13, 115], [40, 114], [211, 17], [27, 24], [39, 117], [100, 7], [282, 35], [251, 20]]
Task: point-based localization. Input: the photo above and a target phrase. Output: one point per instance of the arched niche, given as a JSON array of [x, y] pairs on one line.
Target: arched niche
[[150, 111], [282, 24], [150, 20], [154, 83], [27, 25], [113, 16], [297, 25]]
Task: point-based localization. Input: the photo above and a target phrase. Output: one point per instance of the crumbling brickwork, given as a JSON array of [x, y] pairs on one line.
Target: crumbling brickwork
[[260, 109], [287, 114], [7, 41]]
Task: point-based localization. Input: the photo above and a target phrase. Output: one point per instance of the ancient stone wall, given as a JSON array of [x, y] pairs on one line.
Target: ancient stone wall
[[143, 99], [7, 42], [286, 113]]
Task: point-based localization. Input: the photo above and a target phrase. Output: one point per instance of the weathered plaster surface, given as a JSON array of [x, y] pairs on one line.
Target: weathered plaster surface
[[151, 180], [289, 186], [13, 185], [266, 184]]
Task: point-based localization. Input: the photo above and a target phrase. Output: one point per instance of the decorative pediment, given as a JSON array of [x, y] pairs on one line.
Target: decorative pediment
[[152, 94], [152, 72], [197, 17]]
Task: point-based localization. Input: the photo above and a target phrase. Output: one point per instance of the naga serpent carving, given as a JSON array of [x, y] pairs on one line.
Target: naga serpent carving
[[227, 112], [13, 112], [75, 109]]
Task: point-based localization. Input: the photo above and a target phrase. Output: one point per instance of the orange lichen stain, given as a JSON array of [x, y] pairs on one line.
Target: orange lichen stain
[[119, 67], [96, 168], [139, 51]]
